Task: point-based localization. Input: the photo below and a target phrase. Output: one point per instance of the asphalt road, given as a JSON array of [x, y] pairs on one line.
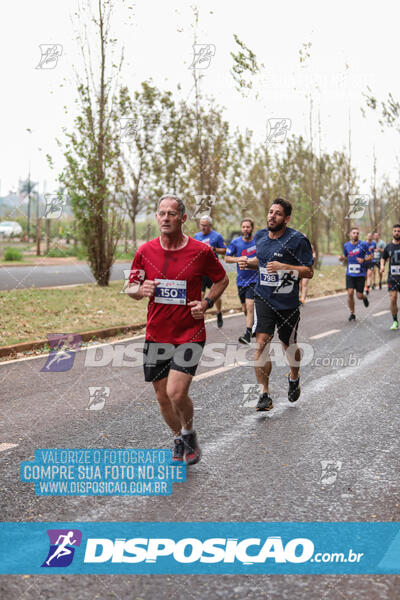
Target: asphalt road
[[255, 467], [26, 277]]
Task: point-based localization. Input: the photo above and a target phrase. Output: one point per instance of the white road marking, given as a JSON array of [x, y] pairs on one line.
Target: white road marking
[[324, 334], [5, 446], [214, 372], [382, 312]]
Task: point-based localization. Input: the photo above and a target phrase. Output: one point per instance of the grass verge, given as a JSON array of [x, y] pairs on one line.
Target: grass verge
[[30, 314]]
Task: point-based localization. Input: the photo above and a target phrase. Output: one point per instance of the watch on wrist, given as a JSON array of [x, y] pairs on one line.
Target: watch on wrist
[[209, 302]]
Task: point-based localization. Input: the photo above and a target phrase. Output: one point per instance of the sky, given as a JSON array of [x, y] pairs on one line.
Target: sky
[[353, 45]]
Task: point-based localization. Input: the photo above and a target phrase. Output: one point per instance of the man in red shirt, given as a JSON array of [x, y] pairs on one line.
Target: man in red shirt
[[168, 270]]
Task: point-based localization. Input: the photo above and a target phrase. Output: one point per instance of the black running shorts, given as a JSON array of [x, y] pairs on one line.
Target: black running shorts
[[246, 292], [394, 285], [160, 358], [355, 283], [286, 321]]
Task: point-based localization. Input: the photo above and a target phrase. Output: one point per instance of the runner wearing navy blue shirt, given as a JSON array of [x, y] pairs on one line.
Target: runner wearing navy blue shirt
[[211, 238], [392, 253], [283, 256], [355, 251], [244, 245]]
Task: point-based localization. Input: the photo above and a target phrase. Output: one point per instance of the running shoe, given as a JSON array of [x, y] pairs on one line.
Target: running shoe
[[192, 451], [294, 390], [264, 402], [219, 320], [352, 317], [380, 286], [246, 338], [366, 301], [178, 450], [367, 291], [373, 286], [395, 325]]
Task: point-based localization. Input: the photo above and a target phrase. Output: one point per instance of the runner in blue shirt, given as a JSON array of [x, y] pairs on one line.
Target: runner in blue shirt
[[355, 251], [369, 262], [212, 238], [244, 245], [283, 255]]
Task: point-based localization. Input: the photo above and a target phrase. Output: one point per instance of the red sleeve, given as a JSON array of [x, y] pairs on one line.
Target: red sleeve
[[212, 267], [137, 273]]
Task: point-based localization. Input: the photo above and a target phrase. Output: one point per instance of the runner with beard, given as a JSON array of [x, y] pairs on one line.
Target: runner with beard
[[246, 279], [283, 256], [392, 253], [355, 251]]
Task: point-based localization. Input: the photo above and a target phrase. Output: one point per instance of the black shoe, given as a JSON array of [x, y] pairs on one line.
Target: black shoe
[[367, 292], [246, 338], [192, 451], [219, 320], [373, 286], [264, 402], [294, 390], [178, 451], [380, 286], [366, 301], [352, 317]]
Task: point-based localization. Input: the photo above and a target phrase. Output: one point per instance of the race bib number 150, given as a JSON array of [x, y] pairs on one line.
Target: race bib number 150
[[170, 291]]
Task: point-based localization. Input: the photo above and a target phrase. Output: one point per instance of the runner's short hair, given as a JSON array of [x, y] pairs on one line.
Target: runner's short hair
[[247, 221], [355, 227], [206, 218], [286, 205], [397, 225], [181, 205]]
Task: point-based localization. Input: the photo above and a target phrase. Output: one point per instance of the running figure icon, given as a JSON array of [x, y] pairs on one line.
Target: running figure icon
[[62, 549]]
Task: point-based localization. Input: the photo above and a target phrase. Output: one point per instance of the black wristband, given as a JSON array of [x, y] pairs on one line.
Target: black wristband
[[209, 302]]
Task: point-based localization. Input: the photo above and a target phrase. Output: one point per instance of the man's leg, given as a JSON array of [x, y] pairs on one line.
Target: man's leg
[[293, 355], [249, 313], [350, 299], [167, 409], [393, 307], [178, 392], [263, 371], [177, 389]]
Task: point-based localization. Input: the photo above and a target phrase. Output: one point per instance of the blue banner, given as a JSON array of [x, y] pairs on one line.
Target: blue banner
[[199, 548]]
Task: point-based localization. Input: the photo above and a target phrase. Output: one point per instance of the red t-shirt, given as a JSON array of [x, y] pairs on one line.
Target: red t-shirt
[[180, 271]]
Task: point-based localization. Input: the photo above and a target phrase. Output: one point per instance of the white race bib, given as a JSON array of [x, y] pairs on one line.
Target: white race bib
[[170, 291], [354, 268], [268, 278], [395, 270], [377, 255]]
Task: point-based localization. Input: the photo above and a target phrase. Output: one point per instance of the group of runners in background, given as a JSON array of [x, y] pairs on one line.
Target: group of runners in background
[[182, 278]]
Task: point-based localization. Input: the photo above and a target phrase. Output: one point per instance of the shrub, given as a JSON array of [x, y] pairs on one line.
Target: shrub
[[12, 254]]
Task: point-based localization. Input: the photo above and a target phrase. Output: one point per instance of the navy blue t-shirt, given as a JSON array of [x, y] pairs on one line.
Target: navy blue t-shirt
[[354, 251], [281, 289], [392, 252], [238, 247], [371, 250]]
